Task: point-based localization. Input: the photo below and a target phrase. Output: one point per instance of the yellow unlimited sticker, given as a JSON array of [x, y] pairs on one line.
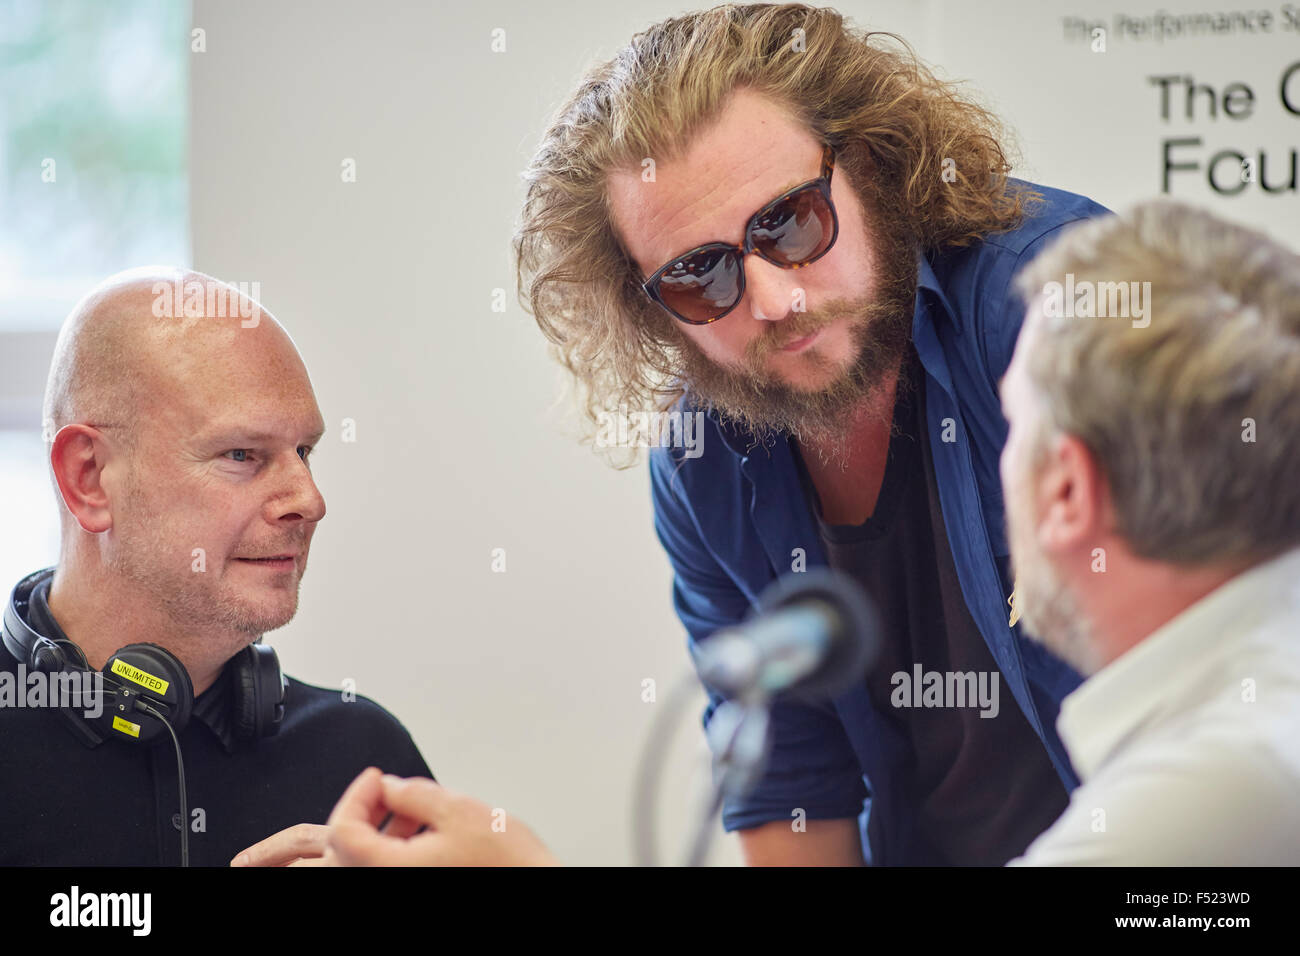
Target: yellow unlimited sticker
[[123, 669], [126, 727]]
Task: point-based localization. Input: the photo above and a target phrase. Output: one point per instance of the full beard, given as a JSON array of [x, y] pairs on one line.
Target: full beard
[[749, 396]]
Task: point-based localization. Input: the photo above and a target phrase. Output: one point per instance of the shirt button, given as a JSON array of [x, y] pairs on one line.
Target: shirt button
[[176, 820]]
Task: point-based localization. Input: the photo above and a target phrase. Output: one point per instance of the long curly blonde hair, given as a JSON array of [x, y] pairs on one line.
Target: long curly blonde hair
[[938, 156]]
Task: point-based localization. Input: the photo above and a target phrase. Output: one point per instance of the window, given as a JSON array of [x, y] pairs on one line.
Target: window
[[92, 180]]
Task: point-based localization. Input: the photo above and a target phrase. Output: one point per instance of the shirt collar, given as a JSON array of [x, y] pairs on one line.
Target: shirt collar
[[928, 281], [1150, 678], [212, 708]]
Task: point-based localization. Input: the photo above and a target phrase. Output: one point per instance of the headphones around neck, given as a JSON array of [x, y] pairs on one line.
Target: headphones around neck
[[145, 681]]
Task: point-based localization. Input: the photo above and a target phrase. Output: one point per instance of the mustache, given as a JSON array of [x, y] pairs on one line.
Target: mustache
[[797, 325], [293, 546]]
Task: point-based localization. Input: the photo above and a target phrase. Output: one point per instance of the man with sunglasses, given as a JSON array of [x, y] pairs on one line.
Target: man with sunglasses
[[813, 241]]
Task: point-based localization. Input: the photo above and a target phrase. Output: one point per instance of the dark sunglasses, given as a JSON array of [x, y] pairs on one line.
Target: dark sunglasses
[[794, 229]]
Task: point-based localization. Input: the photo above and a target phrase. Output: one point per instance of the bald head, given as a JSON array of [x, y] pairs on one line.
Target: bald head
[[136, 337]]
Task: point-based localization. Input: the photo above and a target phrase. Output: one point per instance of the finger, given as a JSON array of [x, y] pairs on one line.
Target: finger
[[309, 861], [400, 826], [417, 798], [355, 844], [418, 804], [305, 839], [363, 800]]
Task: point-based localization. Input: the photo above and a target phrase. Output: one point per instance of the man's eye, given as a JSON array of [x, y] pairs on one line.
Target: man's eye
[[304, 451], [240, 454]]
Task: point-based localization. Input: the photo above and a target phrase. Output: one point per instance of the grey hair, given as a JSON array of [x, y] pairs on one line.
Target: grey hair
[[1194, 418]]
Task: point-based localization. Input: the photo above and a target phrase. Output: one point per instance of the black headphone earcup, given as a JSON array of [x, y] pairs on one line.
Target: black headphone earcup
[[244, 706], [258, 691], [26, 645], [151, 673]]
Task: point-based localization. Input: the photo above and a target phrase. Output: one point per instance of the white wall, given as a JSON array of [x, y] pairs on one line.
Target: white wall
[[524, 688]]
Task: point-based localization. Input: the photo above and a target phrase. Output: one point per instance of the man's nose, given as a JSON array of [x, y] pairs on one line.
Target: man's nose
[[770, 290], [302, 500]]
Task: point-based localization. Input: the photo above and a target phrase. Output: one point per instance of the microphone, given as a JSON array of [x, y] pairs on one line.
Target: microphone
[[814, 634]]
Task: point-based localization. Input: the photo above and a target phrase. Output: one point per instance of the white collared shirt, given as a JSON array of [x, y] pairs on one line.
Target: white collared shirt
[[1188, 744]]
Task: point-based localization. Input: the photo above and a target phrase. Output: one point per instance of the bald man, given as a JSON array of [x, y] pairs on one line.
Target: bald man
[[180, 428]]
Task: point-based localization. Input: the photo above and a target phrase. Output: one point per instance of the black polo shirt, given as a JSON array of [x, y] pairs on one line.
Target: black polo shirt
[[68, 803]]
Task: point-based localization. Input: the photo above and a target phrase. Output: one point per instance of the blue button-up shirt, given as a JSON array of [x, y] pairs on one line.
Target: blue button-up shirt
[[734, 518]]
